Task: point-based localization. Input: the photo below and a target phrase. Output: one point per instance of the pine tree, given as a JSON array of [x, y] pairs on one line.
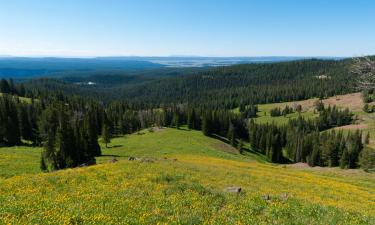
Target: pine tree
[[240, 147], [191, 119], [43, 165], [176, 120], [106, 134], [231, 135], [92, 136], [10, 131], [4, 86], [206, 125], [367, 159], [344, 159]]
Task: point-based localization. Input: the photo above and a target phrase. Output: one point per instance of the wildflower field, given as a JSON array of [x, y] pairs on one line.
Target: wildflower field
[[179, 177]]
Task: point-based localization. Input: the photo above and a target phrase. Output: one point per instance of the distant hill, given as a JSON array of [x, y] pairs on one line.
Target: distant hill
[[34, 67], [23, 67], [227, 86]]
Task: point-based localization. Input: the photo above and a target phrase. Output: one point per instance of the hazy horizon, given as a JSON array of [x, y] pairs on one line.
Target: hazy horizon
[[168, 56]]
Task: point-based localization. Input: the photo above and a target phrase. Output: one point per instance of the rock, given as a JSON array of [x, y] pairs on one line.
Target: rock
[[114, 160], [91, 162], [284, 197], [88, 163], [266, 197], [147, 160], [233, 189]]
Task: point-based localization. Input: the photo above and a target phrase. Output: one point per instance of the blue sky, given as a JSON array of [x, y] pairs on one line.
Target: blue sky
[[187, 27]]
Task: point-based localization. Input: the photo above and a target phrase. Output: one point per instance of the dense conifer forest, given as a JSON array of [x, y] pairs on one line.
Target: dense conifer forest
[[68, 126], [222, 87]]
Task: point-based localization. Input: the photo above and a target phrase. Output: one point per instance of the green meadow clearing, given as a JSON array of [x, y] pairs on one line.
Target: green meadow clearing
[[180, 177]]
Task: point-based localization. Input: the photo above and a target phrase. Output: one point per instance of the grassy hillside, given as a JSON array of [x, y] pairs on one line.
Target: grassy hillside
[[180, 178], [18, 160], [22, 99], [352, 101], [364, 121]]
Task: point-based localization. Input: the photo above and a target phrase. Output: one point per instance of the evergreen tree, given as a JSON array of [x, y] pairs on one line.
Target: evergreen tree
[[10, 128], [90, 127], [367, 159], [176, 120], [191, 119], [206, 125], [106, 132], [43, 165], [231, 135], [4, 86]]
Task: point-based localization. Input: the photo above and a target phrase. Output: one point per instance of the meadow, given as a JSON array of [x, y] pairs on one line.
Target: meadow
[[180, 177], [352, 101]]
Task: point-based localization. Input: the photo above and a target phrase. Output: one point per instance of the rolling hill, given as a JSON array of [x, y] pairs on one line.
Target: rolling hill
[[181, 176]]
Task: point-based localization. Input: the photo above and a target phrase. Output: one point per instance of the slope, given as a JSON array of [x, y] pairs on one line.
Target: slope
[[179, 178]]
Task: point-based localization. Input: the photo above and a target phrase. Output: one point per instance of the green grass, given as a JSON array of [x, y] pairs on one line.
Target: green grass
[[264, 116], [19, 160], [170, 143], [183, 184], [22, 99]]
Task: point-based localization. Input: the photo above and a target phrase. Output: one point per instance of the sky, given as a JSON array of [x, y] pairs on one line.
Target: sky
[[187, 27]]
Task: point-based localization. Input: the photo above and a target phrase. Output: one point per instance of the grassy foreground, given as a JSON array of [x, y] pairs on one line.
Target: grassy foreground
[[181, 180]]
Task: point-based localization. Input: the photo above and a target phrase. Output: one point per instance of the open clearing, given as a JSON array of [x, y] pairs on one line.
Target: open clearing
[[352, 101], [183, 180], [364, 121]]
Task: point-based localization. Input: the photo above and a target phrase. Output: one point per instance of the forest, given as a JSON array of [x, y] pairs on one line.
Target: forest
[[68, 126], [221, 87]]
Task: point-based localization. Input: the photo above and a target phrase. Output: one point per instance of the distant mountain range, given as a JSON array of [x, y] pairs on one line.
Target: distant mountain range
[[28, 67], [199, 61]]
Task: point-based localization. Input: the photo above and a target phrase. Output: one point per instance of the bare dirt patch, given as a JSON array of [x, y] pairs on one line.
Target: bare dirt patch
[[225, 147], [331, 170], [298, 165], [353, 127], [156, 129], [352, 101]]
